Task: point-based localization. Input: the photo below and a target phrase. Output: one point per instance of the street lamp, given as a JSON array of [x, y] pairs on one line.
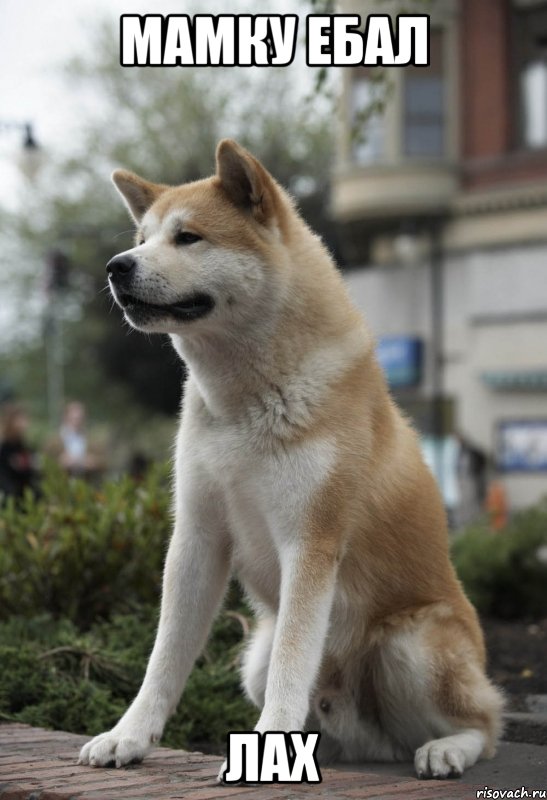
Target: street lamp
[[26, 128], [57, 282], [30, 159], [437, 345], [29, 142], [408, 246]]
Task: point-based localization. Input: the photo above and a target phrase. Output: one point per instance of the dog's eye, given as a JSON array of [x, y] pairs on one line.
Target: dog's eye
[[141, 241], [185, 237]]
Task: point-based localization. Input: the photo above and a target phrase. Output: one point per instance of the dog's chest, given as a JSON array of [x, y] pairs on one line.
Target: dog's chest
[[267, 490], [268, 496]]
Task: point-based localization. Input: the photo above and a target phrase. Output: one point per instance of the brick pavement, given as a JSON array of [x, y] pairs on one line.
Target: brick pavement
[[36, 764]]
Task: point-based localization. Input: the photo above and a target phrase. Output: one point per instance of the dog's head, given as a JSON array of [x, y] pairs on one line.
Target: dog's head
[[204, 250]]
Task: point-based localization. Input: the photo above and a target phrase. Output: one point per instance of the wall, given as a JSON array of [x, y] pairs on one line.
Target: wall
[[495, 319]]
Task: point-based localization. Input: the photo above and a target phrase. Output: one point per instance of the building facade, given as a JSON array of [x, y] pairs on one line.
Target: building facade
[[440, 195]]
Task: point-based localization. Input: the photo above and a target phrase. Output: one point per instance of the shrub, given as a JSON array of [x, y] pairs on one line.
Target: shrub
[[80, 575], [54, 676], [80, 552], [502, 572]]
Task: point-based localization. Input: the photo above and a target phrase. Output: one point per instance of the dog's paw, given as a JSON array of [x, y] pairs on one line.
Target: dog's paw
[[438, 759], [242, 782], [220, 777], [114, 748]]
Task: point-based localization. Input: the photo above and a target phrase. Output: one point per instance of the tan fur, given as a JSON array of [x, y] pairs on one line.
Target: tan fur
[[363, 625]]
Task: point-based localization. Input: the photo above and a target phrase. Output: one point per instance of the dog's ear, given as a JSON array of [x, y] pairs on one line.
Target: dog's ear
[[138, 194], [246, 182]]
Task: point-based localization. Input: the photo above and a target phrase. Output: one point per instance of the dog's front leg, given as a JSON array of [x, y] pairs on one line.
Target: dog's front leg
[[195, 577], [308, 575]]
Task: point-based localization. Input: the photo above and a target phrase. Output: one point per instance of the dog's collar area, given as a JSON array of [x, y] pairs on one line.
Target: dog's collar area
[[190, 307]]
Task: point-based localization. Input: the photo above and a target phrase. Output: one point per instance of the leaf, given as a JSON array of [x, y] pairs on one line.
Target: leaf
[[33, 541]]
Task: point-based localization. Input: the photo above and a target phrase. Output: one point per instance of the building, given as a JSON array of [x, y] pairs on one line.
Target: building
[[441, 201]]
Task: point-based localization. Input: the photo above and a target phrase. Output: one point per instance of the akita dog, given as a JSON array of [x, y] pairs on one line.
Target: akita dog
[[296, 472]]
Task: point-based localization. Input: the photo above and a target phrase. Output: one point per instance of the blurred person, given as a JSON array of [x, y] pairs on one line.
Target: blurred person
[[139, 464], [496, 504], [441, 456], [18, 470], [73, 450], [471, 474]]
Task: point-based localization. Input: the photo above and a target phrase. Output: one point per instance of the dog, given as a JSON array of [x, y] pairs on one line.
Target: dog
[[296, 471]]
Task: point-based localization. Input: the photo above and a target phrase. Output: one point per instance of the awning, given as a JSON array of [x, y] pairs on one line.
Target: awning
[[529, 380]]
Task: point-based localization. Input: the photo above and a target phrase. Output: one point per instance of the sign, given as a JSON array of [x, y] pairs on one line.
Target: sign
[[401, 358], [522, 445]]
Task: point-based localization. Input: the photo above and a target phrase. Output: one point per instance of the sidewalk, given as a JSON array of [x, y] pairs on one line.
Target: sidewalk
[[36, 764]]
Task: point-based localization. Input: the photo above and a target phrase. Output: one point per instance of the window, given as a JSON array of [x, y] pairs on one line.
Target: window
[[530, 38], [424, 104], [368, 128], [413, 99], [533, 90]]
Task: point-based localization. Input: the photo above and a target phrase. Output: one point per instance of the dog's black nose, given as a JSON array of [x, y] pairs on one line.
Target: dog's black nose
[[120, 266]]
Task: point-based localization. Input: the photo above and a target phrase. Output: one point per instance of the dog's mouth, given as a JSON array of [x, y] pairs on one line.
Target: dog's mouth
[[190, 307]]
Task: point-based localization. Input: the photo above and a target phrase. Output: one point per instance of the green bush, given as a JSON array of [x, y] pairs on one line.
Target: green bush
[[502, 572], [54, 676], [80, 576], [80, 552]]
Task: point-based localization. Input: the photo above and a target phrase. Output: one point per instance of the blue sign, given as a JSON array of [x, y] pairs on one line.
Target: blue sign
[[522, 445], [401, 358]]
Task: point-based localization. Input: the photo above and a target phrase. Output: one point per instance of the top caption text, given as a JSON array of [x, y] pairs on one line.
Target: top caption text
[[270, 40]]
